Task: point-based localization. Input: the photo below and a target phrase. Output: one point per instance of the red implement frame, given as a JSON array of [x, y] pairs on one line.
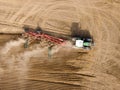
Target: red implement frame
[[45, 36]]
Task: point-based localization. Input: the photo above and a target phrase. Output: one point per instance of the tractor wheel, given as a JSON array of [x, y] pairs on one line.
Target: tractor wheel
[[26, 44]]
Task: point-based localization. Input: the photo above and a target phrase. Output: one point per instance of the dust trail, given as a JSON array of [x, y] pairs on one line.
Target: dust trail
[[20, 60], [25, 57], [17, 62], [10, 45], [23, 61], [67, 45], [6, 59]]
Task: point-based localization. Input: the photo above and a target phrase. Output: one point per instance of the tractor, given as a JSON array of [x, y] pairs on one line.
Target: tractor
[[81, 38]]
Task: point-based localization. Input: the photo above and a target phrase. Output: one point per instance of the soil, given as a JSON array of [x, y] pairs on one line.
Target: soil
[[68, 68]]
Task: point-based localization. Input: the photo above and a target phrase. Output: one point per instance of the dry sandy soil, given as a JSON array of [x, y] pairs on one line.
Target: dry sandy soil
[[68, 69]]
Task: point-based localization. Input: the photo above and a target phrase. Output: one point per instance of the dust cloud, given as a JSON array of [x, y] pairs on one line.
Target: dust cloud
[[11, 53], [14, 56], [15, 59], [68, 45], [11, 44]]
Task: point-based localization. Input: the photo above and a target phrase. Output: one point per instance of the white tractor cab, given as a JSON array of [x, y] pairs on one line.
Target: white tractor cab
[[81, 38]]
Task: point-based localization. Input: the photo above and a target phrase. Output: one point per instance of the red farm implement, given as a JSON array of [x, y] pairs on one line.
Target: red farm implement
[[38, 35]]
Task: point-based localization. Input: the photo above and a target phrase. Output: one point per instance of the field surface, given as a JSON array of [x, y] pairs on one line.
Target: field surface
[[68, 69]]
